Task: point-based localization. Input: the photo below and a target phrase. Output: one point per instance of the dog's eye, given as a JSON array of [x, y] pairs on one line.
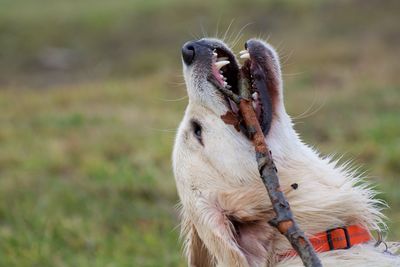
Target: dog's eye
[[197, 131]]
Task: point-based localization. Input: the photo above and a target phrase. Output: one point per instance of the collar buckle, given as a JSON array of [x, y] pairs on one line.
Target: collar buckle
[[330, 241]]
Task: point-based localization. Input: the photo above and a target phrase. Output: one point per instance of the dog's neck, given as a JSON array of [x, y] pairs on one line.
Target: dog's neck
[[327, 195]]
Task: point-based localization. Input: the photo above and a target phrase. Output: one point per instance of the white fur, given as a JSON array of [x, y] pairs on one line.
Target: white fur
[[209, 178]]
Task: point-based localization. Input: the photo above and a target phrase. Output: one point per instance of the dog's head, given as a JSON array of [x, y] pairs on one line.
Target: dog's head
[[211, 139], [209, 64], [212, 156]]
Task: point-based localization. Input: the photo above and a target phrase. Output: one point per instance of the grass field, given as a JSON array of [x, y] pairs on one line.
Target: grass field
[[91, 95]]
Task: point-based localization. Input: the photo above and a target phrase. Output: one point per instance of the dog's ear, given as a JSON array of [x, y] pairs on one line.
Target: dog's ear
[[198, 254], [195, 250]]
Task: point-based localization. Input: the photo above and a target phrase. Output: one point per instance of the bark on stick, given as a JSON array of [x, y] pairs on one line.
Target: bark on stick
[[284, 220]]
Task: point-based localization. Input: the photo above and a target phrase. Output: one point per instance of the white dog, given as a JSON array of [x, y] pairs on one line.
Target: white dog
[[225, 206]]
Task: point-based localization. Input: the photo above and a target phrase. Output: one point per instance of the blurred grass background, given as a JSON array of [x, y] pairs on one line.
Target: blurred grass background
[[91, 94]]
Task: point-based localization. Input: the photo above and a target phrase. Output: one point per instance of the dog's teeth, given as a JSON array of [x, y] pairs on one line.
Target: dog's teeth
[[245, 55], [222, 59], [214, 55], [220, 64], [255, 95], [225, 84], [228, 86], [254, 104], [224, 78], [243, 52]]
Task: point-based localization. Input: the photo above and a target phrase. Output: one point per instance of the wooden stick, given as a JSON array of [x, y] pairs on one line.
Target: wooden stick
[[284, 220]]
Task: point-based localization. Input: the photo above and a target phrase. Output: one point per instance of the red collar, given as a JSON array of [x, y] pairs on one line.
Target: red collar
[[336, 238]]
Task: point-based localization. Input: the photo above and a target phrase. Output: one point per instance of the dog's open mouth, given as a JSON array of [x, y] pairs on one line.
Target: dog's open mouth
[[256, 74]]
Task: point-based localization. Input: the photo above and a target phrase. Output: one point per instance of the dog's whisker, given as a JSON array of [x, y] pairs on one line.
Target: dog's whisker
[[194, 35], [239, 34], [285, 58], [203, 31], [307, 113], [227, 30], [173, 99], [171, 130], [293, 73]]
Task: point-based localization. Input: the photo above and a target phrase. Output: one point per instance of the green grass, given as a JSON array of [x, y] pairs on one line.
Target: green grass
[[85, 175]]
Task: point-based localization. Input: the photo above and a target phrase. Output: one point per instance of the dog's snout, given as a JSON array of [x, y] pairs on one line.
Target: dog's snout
[[188, 52]]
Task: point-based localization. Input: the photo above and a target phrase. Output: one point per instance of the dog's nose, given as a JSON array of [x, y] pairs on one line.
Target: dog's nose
[[188, 52]]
